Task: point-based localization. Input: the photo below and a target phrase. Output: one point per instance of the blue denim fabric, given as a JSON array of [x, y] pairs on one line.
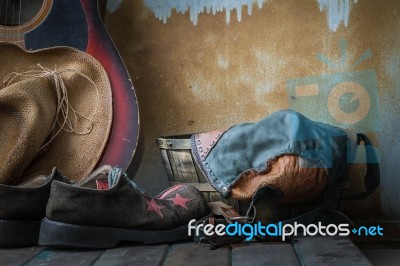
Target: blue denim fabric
[[251, 145]]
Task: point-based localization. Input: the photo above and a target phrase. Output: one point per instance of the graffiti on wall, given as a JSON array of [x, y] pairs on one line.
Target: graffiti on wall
[[163, 9], [338, 11], [345, 97]]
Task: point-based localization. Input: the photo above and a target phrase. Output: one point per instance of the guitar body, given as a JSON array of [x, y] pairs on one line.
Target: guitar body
[[76, 23]]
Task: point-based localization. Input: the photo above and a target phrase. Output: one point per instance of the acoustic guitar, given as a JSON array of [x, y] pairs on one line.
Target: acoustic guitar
[[37, 24]]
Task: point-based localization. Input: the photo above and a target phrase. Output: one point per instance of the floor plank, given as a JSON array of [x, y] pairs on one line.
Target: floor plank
[[17, 256], [132, 255], [306, 251], [65, 257], [329, 251], [383, 257], [264, 254], [196, 255]]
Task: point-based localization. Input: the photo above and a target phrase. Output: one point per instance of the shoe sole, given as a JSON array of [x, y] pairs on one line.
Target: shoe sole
[[19, 233], [58, 234]]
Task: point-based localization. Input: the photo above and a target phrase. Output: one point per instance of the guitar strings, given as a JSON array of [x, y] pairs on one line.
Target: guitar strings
[[12, 21], [1, 4], [13, 11], [19, 23], [5, 35], [5, 22]]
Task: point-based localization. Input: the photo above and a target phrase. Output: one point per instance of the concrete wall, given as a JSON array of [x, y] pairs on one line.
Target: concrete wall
[[211, 65]]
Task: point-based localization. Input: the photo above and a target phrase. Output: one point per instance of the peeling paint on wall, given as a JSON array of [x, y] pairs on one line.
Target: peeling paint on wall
[[202, 88], [223, 62], [163, 9], [338, 12], [255, 83], [267, 75]]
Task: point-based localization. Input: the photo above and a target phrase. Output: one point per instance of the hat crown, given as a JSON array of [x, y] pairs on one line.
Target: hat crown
[[73, 116]]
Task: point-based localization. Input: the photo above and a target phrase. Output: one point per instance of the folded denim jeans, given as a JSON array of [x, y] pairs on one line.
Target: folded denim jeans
[[287, 152]]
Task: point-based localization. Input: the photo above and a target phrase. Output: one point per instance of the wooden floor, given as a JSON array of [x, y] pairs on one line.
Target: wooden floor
[[304, 251]]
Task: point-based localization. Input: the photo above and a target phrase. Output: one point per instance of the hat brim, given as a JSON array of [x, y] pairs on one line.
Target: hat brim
[[74, 154]]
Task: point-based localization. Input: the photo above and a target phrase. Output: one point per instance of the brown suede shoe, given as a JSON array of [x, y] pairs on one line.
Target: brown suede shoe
[[107, 208], [22, 208]]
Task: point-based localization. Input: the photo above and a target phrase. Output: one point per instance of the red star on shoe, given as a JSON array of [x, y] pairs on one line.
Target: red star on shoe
[[152, 206], [179, 201]]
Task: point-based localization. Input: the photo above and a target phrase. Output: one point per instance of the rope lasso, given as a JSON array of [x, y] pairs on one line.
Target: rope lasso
[[66, 117]]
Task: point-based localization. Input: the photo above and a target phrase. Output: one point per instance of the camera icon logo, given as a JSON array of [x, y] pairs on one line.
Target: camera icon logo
[[347, 99]]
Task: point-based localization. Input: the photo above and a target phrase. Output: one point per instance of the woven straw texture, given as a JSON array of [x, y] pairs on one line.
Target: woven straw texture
[[28, 108]]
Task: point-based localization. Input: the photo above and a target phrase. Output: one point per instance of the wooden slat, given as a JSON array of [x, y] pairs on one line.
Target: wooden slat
[[174, 142], [194, 255], [182, 166], [65, 257], [329, 251], [200, 175], [203, 187], [383, 257], [264, 254], [18, 256], [167, 165], [310, 251], [132, 255]]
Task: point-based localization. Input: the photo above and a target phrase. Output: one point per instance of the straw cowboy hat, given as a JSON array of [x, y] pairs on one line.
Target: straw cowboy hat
[[55, 111]]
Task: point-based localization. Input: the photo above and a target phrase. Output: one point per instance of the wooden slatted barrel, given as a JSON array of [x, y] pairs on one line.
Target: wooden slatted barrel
[[181, 167]]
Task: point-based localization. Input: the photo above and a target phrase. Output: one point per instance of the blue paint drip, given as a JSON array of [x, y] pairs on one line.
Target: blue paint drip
[[163, 9], [338, 11]]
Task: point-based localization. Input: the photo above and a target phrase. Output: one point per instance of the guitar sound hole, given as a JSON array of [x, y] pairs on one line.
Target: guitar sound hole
[[18, 12]]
